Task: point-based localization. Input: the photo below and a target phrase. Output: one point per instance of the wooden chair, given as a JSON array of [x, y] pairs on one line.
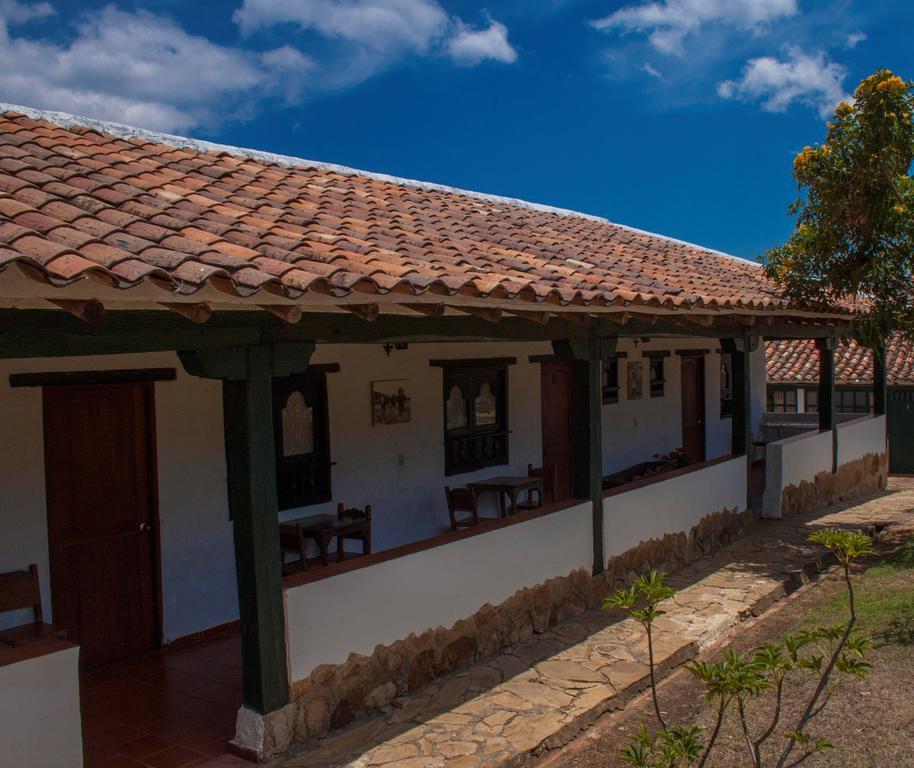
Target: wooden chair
[[461, 500], [535, 499], [18, 590], [354, 524]]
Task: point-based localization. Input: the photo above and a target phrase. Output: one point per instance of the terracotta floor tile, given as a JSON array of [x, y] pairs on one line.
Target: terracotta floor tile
[[175, 708], [175, 757], [95, 755], [122, 761], [143, 746], [110, 736]]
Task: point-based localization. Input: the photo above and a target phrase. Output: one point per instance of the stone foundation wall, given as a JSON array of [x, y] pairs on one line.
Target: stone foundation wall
[[334, 695], [864, 475]]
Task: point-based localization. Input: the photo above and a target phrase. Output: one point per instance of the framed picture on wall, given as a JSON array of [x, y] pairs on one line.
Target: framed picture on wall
[[389, 402], [635, 380]]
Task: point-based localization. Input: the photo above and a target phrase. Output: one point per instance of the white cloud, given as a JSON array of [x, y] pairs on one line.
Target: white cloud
[[812, 80], [379, 32], [143, 69], [471, 46], [855, 38], [668, 22], [651, 70], [15, 12], [378, 24]]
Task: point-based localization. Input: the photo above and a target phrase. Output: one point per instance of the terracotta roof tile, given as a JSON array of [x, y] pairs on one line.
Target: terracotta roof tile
[[797, 362], [137, 208]]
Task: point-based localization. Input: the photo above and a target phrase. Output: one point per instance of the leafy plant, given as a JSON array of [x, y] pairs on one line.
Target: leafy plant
[[854, 233], [739, 682]]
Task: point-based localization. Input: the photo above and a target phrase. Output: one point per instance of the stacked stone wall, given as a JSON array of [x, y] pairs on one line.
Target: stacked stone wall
[[867, 474]]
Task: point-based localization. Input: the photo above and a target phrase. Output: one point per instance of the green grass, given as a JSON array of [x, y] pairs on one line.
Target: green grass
[[884, 595]]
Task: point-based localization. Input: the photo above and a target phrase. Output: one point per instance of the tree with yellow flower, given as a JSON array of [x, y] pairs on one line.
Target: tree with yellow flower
[[854, 233]]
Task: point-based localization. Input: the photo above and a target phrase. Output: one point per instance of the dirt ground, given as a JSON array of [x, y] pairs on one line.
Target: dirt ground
[[870, 722]]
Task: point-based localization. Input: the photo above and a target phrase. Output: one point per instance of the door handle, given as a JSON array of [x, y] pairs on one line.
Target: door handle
[[145, 527]]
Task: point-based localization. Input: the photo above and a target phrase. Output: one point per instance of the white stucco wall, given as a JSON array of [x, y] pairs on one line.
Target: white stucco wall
[[355, 611], [672, 505], [861, 436], [634, 430], [791, 461], [198, 561], [399, 468], [40, 725]]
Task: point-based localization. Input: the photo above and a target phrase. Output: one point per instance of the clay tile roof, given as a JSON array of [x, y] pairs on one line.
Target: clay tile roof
[[797, 362], [78, 195]]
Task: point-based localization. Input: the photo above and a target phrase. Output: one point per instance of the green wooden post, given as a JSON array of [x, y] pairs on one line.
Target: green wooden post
[[587, 357], [826, 349], [247, 395], [880, 380], [740, 350]]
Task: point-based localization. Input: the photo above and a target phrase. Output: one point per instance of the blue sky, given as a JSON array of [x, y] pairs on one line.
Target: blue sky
[[676, 116]]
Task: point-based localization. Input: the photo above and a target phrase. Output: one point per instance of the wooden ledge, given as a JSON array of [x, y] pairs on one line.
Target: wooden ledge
[[15, 654], [487, 525], [661, 476]]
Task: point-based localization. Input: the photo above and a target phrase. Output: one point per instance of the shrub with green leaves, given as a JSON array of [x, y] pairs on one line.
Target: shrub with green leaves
[[740, 681]]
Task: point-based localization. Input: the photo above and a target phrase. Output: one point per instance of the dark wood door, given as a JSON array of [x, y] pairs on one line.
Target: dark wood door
[[901, 430], [102, 526], [558, 450], [693, 408]]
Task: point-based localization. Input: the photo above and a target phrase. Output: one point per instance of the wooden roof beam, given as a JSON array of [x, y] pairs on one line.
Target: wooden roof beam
[[540, 318], [491, 315], [198, 312], [90, 311], [429, 310], [367, 312], [288, 313]]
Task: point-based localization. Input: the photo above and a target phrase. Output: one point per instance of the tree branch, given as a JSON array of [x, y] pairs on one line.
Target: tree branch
[[823, 681]]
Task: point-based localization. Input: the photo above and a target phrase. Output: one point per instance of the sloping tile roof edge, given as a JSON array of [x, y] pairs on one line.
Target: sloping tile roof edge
[[123, 131]]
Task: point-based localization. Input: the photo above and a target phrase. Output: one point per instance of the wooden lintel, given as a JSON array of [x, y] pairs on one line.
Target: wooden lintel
[[198, 312], [90, 311], [288, 313], [367, 312], [429, 310], [489, 314], [541, 318]]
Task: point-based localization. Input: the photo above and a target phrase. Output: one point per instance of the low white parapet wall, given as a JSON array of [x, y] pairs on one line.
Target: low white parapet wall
[[801, 459], [40, 723], [355, 611], [861, 437], [672, 504]]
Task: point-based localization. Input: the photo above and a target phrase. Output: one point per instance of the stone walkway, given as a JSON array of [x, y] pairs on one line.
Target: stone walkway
[[538, 695]]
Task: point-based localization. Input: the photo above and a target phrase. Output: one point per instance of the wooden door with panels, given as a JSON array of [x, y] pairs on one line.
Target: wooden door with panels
[[102, 517], [693, 407], [558, 442]]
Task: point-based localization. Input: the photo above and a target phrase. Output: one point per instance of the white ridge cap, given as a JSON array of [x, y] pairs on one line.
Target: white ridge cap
[[122, 131]]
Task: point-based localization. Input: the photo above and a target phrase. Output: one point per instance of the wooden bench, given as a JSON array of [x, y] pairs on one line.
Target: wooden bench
[[18, 590]]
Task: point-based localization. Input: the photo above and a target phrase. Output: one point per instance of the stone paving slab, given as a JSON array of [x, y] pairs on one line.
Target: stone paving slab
[[540, 694]]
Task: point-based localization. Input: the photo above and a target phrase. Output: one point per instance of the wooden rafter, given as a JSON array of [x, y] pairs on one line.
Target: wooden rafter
[[540, 318], [429, 310], [198, 312], [489, 314], [367, 312], [90, 311], [288, 313]]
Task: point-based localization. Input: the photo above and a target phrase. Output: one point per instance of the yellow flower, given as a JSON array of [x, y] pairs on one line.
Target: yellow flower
[[900, 209]]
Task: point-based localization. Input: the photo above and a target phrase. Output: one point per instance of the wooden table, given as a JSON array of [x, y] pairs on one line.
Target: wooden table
[[505, 485], [321, 529]]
